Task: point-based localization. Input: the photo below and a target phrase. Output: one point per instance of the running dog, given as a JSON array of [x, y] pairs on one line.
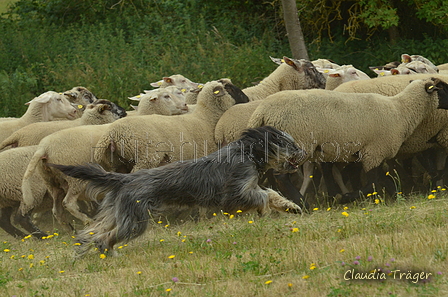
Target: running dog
[[226, 180]]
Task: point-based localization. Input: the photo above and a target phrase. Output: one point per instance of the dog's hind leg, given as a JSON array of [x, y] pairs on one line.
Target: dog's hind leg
[[280, 203]]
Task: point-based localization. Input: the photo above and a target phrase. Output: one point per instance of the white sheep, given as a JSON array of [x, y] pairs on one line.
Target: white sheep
[[413, 67], [57, 148], [342, 74], [342, 127], [290, 75], [164, 101], [97, 113], [149, 140], [177, 80], [13, 164], [435, 125], [69, 146], [46, 107]]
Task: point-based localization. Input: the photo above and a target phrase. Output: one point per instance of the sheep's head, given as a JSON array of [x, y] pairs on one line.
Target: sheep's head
[[441, 88], [102, 106], [306, 76], [80, 95], [54, 105], [221, 95]]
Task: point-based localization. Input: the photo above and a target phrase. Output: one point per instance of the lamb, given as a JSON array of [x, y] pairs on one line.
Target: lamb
[[13, 164], [56, 148], [98, 113], [46, 107], [373, 132], [164, 101], [165, 139]]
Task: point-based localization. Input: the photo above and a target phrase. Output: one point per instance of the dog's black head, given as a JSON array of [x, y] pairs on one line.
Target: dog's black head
[[269, 148]]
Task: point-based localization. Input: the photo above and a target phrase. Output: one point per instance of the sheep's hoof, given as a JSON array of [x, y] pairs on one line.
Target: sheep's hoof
[[347, 198]]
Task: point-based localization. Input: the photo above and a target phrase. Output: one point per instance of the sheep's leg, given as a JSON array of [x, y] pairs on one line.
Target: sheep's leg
[[375, 177], [28, 225], [337, 175], [70, 203], [286, 187], [58, 209], [308, 169], [440, 162], [5, 223], [280, 203], [330, 181]]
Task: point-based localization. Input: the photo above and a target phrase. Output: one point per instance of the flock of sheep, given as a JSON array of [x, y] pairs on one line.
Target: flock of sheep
[[351, 137]]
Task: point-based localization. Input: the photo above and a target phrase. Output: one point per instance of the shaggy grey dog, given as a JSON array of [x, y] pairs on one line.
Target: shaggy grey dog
[[225, 180]]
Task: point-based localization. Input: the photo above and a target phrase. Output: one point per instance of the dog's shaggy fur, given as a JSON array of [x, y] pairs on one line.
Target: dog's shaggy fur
[[226, 180]]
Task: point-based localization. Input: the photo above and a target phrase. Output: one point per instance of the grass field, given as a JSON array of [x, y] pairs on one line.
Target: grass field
[[277, 255]]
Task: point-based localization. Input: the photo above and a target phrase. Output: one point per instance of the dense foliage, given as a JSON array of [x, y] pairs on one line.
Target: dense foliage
[[116, 48]]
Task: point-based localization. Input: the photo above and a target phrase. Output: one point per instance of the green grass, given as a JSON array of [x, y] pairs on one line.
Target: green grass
[[277, 255]]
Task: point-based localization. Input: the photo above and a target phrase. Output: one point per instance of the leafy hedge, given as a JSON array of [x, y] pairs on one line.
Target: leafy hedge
[[118, 50]]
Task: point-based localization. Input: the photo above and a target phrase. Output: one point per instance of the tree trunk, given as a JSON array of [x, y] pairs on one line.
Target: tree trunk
[[295, 35]]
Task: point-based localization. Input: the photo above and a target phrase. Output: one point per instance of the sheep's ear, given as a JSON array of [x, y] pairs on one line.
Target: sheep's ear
[[168, 80], [104, 107], [323, 70], [198, 89], [432, 85], [71, 96], [43, 98], [90, 106], [381, 72], [394, 71], [156, 84], [296, 65], [219, 91], [405, 58], [277, 61], [334, 74], [135, 98]]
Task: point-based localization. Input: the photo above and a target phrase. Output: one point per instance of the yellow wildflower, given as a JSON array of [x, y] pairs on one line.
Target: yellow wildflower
[[342, 250], [267, 282], [377, 201], [305, 276], [31, 257], [431, 196], [345, 214], [412, 207], [171, 257], [250, 222], [102, 256], [295, 230]]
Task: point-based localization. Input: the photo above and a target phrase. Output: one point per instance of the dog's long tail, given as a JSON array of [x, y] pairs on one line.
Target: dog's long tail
[[120, 217], [99, 179], [103, 231]]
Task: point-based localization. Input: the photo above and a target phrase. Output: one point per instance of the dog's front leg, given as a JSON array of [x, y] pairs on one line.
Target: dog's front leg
[[280, 203]]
